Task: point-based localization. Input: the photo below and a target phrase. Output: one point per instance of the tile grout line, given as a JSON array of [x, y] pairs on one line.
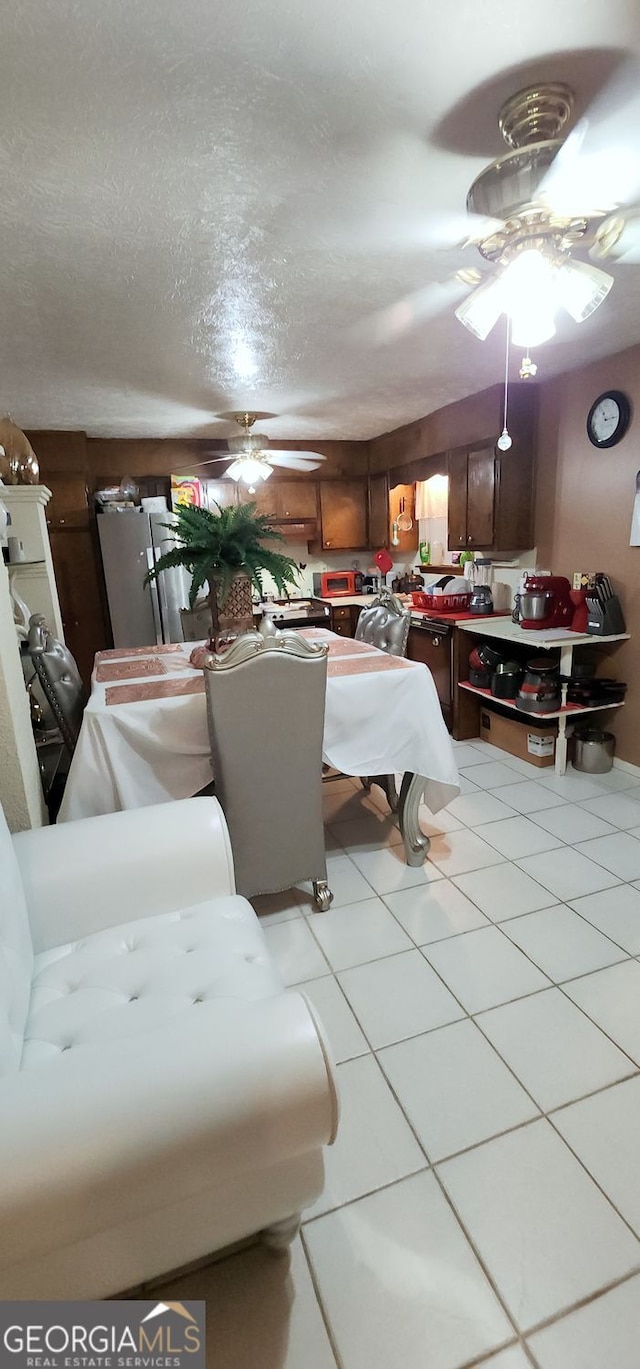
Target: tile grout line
[[320, 1302]]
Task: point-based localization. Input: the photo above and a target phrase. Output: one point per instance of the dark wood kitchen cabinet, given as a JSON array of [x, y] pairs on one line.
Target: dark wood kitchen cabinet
[[343, 515], [295, 500], [378, 512], [491, 498], [344, 619]]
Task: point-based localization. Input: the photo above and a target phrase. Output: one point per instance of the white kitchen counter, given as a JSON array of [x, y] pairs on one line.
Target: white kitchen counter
[[509, 631], [342, 600]]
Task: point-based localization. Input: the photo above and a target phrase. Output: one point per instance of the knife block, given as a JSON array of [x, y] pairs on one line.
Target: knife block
[[605, 618]]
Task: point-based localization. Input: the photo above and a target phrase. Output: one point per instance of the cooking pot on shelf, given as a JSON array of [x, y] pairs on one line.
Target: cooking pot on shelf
[[540, 690], [505, 680], [479, 677], [487, 656]]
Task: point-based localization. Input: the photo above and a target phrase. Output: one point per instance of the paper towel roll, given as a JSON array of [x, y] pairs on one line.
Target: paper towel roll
[[634, 536]]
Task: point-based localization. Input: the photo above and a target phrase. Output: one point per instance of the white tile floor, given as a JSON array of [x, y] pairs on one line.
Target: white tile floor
[[482, 1203]]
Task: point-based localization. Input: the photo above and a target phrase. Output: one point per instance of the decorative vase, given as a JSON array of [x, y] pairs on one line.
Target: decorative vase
[[236, 614], [18, 463]]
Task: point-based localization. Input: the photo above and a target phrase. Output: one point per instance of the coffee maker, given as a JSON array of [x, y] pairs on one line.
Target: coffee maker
[[545, 602]]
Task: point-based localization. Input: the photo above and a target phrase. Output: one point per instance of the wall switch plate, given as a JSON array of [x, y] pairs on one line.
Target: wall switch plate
[[577, 579]]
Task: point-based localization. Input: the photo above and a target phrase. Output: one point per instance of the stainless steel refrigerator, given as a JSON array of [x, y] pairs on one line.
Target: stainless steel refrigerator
[[141, 615]]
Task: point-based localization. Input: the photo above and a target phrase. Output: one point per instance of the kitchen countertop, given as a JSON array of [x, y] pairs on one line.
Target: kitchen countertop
[[365, 600], [342, 600]]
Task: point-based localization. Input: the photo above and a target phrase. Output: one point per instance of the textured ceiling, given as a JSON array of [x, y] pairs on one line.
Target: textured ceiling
[[200, 200]]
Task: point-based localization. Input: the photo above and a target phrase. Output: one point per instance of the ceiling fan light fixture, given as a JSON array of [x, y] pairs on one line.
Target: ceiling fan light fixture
[[249, 470], [581, 288], [528, 285], [481, 309]]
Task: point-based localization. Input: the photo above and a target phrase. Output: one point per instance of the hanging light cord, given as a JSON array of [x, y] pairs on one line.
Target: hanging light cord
[[506, 374], [504, 440]]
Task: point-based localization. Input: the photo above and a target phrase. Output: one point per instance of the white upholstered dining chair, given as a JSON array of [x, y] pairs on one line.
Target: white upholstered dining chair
[[265, 709]]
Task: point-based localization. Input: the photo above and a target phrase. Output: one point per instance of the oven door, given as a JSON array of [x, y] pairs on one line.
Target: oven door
[[431, 643]]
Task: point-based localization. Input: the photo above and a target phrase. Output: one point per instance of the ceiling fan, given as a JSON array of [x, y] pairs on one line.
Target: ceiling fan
[[253, 458], [538, 210]]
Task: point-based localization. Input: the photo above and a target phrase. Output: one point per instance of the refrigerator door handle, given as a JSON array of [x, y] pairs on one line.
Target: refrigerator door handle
[[155, 598]]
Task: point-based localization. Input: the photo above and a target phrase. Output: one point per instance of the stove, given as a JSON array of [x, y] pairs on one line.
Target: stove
[[298, 613]]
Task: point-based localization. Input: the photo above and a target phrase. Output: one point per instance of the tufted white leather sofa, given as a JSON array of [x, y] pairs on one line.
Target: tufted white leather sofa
[[161, 1094]]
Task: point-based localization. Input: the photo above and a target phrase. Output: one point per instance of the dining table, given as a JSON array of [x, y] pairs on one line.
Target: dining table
[[144, 736]]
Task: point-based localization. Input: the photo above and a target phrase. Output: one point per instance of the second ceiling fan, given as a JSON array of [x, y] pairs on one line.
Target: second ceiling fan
[[253, 458]]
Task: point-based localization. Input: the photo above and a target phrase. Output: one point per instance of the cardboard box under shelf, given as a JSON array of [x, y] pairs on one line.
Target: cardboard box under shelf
[[531, 739]]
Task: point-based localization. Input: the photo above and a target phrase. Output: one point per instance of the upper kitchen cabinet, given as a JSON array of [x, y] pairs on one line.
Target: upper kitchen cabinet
[[472, 498], [378, 511], [343, 515], [402, 500], [297, 499], [224, 493], [491, 492], [282, 500]]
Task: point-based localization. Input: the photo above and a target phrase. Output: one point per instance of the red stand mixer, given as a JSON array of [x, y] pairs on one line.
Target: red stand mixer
[[546, 602]]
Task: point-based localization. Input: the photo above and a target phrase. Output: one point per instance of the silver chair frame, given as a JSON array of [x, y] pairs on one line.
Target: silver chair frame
[[264, 643]]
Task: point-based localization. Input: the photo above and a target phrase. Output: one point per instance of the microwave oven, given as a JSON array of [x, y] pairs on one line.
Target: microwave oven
[[330, 584]]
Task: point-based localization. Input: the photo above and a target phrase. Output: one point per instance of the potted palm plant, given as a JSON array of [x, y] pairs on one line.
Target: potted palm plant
[[226, 551]]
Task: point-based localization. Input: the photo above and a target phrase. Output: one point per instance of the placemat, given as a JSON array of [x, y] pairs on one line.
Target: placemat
[[153, 689], [118, 653], [367, 665], [131, 669], [347, 646]]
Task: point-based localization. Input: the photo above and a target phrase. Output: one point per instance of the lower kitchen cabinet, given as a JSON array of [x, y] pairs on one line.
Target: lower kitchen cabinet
[[344, 619], [432, 644]]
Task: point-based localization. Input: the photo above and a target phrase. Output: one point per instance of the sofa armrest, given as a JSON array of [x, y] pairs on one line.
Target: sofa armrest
[[105, 1134], [82, 877]]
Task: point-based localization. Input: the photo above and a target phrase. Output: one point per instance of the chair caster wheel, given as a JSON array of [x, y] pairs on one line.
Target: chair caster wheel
[[322, 895]]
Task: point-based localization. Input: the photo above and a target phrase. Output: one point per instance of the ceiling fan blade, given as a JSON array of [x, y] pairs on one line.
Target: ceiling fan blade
[[295, 461], [385, 325], [618, 239], [196, 463], [598, 167]]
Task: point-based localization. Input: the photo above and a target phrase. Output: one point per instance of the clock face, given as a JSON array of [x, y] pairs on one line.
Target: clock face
[[608, 419]]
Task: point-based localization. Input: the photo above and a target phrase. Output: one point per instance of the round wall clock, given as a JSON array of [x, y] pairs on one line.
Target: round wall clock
[[608, 418]]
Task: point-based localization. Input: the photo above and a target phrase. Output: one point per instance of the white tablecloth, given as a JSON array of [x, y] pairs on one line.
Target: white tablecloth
[[133, 754]]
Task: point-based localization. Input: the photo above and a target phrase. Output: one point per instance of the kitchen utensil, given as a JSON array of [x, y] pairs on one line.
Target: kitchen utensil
[[540, 689], [593, 751], [404, 519], [407, 584], [383, 561], [545, 602], [517, 612], [481, 601], [506, 679], [441, 603], [487, 655], [604, 617], [581, 613]]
